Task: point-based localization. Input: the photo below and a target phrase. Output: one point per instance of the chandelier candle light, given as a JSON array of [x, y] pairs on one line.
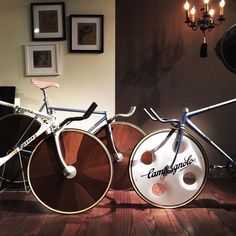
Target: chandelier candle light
[[205, 22]]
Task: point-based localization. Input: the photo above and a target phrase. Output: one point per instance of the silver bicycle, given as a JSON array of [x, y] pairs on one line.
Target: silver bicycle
[[169, 168], [68, 170]]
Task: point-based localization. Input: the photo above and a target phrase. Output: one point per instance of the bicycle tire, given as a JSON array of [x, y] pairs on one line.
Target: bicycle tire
[[92, 181], [168, 190], [11, 129], [125, 136]]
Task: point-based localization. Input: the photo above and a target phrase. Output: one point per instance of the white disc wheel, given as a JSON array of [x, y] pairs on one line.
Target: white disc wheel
[[147, 169]]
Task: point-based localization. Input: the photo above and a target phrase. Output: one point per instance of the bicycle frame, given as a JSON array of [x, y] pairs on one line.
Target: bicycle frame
[[117, 156], [186, 121], [95, 127]]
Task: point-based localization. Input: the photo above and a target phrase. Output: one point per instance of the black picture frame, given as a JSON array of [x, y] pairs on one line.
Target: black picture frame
[[48, 21], [86, 33]]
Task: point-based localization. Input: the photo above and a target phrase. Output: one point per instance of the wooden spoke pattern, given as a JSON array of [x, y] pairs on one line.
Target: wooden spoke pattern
[[70, 195]]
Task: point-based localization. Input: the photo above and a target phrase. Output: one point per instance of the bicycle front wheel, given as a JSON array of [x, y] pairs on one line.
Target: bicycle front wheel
[[147, 169], [86, 189]]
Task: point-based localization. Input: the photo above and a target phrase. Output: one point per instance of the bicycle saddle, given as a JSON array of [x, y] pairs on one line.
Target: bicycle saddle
[[44, 84]]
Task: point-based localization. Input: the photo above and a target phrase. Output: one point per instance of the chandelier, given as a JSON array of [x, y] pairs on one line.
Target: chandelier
[[206, 22]]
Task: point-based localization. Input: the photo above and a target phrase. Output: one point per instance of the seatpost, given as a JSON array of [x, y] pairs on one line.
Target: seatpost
[[45, 99]]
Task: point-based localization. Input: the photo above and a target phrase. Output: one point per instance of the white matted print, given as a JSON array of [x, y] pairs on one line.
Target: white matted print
[[42, 59]]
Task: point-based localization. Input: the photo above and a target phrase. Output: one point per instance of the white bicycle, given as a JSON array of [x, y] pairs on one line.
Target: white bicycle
[[69, 170]]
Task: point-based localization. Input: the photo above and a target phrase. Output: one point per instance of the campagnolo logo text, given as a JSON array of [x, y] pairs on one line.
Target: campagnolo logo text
[[188, 161]]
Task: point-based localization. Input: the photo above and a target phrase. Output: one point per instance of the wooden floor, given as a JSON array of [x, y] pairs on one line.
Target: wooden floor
[[124, 213]]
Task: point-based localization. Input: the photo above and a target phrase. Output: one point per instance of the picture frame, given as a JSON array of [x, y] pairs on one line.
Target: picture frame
[[48, 21], [42, 59], [86, 33]]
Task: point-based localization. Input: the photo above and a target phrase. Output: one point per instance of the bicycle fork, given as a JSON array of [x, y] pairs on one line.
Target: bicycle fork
[[69, 170], [169, 169], [118, 156]]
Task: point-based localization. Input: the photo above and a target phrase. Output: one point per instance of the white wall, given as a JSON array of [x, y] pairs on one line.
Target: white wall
[[84, 77]]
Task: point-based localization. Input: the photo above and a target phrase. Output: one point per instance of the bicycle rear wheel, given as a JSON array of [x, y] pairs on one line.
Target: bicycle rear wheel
[[125, 136], [93, 172], [14, 130], [148, 175]]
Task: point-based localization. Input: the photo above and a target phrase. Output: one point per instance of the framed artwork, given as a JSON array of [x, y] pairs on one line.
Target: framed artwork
[[48, 21], [86, 33], [42, 59]]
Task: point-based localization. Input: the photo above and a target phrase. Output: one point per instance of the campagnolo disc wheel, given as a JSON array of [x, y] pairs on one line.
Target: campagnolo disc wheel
[[92, 178], [147, 170]]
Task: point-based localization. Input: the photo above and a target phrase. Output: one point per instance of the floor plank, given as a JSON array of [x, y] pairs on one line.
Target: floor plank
[[125, 214]]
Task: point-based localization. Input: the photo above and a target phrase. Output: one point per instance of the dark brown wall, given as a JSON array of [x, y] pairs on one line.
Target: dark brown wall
[[158, 65]]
